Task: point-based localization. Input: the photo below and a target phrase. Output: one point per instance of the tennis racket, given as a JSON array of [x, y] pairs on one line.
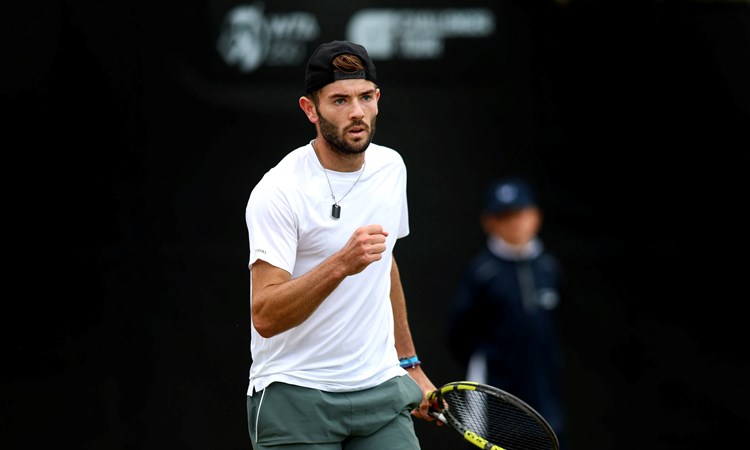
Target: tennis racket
[[491, 418]]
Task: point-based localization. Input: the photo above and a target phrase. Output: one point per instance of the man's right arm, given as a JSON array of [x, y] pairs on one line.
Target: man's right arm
[[280, 302]]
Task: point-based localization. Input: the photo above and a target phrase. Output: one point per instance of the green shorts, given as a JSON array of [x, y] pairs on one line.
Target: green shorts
[[294, 417]]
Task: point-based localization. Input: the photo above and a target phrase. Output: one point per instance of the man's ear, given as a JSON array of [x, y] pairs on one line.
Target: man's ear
[[308, 107]]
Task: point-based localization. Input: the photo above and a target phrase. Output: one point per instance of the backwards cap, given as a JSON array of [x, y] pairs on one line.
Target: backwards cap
[[320, 70]]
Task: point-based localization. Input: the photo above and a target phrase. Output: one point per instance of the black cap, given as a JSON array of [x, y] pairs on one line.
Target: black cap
[[320, 71], [509, 194]]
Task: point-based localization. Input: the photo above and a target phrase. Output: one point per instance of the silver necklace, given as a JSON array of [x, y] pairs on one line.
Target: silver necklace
[[336, 208]]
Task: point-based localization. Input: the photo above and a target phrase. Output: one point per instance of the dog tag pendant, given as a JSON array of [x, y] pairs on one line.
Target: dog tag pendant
[[335, 211]]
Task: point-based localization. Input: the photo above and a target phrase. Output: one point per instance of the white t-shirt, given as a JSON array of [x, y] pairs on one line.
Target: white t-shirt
[[348, 343]]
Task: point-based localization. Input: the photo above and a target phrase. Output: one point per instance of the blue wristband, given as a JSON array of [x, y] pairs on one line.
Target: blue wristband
[[409, 363]]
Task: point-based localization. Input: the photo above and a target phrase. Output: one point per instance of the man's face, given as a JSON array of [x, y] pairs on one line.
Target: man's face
[[347, 112]]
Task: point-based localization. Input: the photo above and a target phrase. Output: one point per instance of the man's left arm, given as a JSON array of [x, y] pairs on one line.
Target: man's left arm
[[405, 344]]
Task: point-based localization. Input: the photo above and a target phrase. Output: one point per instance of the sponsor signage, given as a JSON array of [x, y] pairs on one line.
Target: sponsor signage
[[269, 42]]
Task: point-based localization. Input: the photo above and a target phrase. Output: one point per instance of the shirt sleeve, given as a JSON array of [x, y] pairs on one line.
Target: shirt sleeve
[[271, 225]]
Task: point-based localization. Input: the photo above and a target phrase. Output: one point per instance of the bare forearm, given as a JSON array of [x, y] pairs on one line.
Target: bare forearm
[[280, 306], [280, 302], [404, 342]]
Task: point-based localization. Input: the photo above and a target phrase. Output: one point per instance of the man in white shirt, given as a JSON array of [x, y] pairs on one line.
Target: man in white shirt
[[331, 345]]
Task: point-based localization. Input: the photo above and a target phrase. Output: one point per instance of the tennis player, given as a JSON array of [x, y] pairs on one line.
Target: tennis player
[[333, 361]]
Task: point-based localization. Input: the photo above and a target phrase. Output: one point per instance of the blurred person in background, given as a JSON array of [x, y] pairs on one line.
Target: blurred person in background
[[504, 319]]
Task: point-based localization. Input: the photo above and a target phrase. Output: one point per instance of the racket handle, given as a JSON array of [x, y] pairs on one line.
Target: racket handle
[[438, 415]]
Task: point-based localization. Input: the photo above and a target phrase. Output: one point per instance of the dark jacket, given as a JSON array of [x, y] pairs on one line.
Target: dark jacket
[[507, 308]]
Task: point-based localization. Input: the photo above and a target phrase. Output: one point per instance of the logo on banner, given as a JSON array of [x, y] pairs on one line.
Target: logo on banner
[[251, 38], [416, 33]]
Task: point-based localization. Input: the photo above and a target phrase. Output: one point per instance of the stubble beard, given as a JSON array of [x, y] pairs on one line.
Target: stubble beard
[[338, 143]]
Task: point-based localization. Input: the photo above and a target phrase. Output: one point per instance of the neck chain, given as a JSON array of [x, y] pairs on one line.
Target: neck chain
[[336, 208]]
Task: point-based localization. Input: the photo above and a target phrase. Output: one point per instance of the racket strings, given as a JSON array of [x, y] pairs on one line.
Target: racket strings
[[498, 421]]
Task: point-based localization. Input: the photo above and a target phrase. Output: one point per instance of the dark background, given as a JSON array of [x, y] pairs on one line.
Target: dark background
[[129, 159]]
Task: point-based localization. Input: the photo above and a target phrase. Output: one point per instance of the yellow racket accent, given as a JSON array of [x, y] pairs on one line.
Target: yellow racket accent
[[487, 417], [463, 385], [479, 441]]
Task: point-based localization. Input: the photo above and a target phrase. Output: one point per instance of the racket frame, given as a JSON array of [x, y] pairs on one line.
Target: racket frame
[[445, 416]]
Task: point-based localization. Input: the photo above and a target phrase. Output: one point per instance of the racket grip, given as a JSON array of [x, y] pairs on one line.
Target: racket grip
[[438, 415]]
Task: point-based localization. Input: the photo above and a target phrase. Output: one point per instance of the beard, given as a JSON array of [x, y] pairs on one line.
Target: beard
[[338, 143]]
